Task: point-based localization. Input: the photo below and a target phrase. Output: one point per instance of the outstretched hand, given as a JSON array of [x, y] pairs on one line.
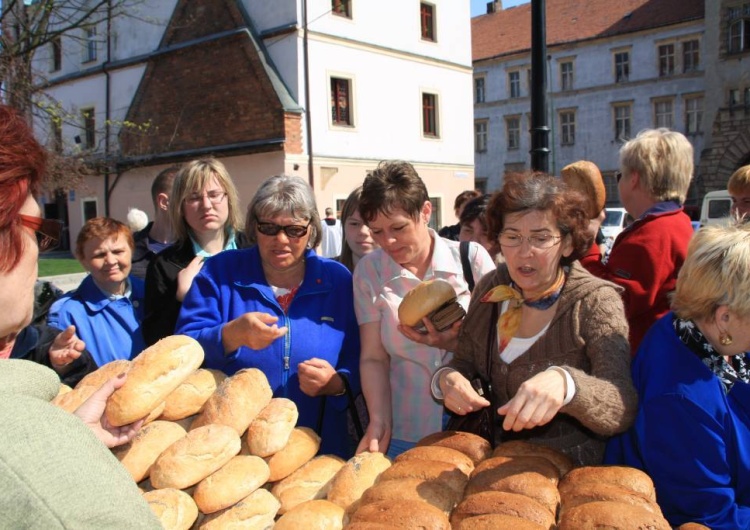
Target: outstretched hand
[[65, 349], [537, 401]]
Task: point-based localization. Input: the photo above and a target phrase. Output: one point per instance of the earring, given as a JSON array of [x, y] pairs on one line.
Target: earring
[[725, 339]]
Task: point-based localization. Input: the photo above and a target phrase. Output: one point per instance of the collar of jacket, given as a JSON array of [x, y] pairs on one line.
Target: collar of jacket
[[95, 300]]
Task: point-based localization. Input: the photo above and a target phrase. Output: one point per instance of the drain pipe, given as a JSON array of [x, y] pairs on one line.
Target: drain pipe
[[308, 121], [107, 110]]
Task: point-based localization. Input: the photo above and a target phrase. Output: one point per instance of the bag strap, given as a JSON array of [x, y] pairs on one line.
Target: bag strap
[[466, 264], [491, 336], [352, 407]]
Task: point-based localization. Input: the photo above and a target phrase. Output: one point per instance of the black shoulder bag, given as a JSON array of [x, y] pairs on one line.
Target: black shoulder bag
[[468, 273]]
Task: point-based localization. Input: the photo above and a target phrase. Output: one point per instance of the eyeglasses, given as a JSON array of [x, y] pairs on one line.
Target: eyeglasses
[[539, 241], [48, 231], [618, 176], [214, 196], [271, 229]]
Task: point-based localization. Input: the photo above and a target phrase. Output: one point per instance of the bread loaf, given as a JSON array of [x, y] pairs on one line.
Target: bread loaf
[[503, 503], [446, 474], [138, 455], [509, 465], [104, 373], [585, 177], [236, 401], [473, 446], [403, 514], [64, 389], [270, 430], [302, 446], [175, 509], [195, 456], [70, 401], [189, 398], [592, 492], [153, 375], [412, 489], [237, 479], [692, 526], [610, 514], [441, 454], [255, 512], [309, 482], [154, 414], [623, 476], [496, 521], [359, 473], [522, 448], [312, 515]]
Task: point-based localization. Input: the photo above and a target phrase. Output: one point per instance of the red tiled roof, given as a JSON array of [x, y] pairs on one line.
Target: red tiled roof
[[509, 30]]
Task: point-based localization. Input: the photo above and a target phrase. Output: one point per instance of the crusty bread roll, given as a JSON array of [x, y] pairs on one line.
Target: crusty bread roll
[[359, 473], [309, 482], [195, 456], [434, 299], [369, 525], [189, 398], [138, 455], [153, 374], [237, 401], [509, 465], [255, 512], [175, 509], [270, 430], [585, 177], [496, 521], [503, 503], [472, 445], [70, 401], [441, 454], [312, 515], [592, 492], [610, 514], [623, 476], [446, 474], [237, 479], [104, 373], [692, 526], [186, 423], [522, 448], [302, 446], [154, 414], [403, 514], [412, 489]]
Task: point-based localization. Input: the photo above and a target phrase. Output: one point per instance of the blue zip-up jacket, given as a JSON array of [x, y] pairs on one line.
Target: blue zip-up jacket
[[321, 323]]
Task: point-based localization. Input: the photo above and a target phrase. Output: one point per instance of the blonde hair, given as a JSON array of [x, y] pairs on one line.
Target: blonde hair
[[715, 273], [739, 182], [663, 160], [193, 177]]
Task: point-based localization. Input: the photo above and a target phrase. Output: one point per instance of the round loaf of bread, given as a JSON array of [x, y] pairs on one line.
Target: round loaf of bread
[[446, 474], [692, 526], [195, 456], [303, 445], [585, 177], [104, 373], [503, 503], [423, 300], [623, 476], [70, 401], [153, 375], [610, 514], [517, 480], [236, 401], [237, 479], [441, 454], [403, 514], [309, 482], [472, 445], [522, 448], [175, 509], [270, 430], [359, 473], [189, 398], [495, 521], [312, 515], [412, 489], [509, 465], [592, 492], [138, 455], [369, 525], [255, 512]]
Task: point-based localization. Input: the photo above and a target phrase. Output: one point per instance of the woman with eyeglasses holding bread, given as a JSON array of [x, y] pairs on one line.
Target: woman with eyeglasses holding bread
[[206, 219], [559, 338], [281, 308]]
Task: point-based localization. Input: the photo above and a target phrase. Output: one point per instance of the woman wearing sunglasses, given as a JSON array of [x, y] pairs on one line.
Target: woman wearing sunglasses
[[281, 308], [206, 219]]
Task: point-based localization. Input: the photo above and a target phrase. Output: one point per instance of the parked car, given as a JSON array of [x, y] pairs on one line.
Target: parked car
[[716, 207], [615, 221]]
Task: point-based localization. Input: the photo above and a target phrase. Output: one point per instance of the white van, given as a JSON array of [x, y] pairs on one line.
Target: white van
[[716, 207]]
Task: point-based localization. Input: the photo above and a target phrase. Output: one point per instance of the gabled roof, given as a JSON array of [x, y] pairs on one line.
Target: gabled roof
[[509, 30]]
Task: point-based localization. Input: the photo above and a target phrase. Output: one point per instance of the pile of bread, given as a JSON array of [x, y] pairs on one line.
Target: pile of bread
[[220, 452]]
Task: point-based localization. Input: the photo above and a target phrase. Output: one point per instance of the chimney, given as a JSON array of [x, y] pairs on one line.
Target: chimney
[[493, 7]]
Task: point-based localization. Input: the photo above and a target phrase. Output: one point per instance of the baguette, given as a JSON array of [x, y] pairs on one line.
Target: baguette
[[138, 455], [175, 509], [189, 398], [310, 482], [270, 430], [237, 479], [302, 446]]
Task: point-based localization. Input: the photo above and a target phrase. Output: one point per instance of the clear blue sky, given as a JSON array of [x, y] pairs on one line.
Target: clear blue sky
[[479, 7]]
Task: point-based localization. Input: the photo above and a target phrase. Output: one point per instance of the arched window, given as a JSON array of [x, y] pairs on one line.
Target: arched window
[[739, 36]]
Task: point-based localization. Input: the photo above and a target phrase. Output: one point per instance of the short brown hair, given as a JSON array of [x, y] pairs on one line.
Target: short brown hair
[[102, 228], [394, 184], [464, 197], [739, 182]]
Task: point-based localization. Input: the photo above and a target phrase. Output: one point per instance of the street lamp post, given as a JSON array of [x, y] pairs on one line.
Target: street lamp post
[[539, 128]]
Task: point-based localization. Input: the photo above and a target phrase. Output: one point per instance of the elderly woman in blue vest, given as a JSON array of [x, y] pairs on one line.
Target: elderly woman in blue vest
[[279, 307], [107, 308]]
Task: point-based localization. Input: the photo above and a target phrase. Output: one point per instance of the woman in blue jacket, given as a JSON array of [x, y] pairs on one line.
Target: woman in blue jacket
[[692, 372], [281, 308]]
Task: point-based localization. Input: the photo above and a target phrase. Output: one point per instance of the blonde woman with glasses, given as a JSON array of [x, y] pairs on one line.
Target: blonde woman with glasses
[[206, 220]]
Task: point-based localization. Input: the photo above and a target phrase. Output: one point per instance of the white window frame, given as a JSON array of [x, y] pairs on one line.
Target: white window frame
[[694, 63], [664, 113], [567, 126], [514, 84], [350, 100], [513, 134], [619, 64], [666, 59], [622, 113], [90, 44], [567, 77], [694, 114], [84, 202], [481, 135], [480, 92]]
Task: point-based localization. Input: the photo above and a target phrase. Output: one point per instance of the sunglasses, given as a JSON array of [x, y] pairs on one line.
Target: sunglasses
[[272, 229], [48, 231]]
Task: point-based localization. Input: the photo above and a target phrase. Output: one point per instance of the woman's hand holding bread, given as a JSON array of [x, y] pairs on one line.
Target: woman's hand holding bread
[[255, 330]]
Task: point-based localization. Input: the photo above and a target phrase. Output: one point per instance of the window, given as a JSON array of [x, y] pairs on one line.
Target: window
[[89, 53], [514, 84], [56, 49], [437, 208], [622, 67], [567, 127], [733, 97], [747, 97], [480, 136], [666, 60], [429, 115], [566, 75], [691, 57], [479, 90], [663, 113], [693, 114], [341, 103], [89, 208], [56, 128], [622, 121], [342, 8], [89, 128], [427, 20], [513, 126], [739, 36]]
